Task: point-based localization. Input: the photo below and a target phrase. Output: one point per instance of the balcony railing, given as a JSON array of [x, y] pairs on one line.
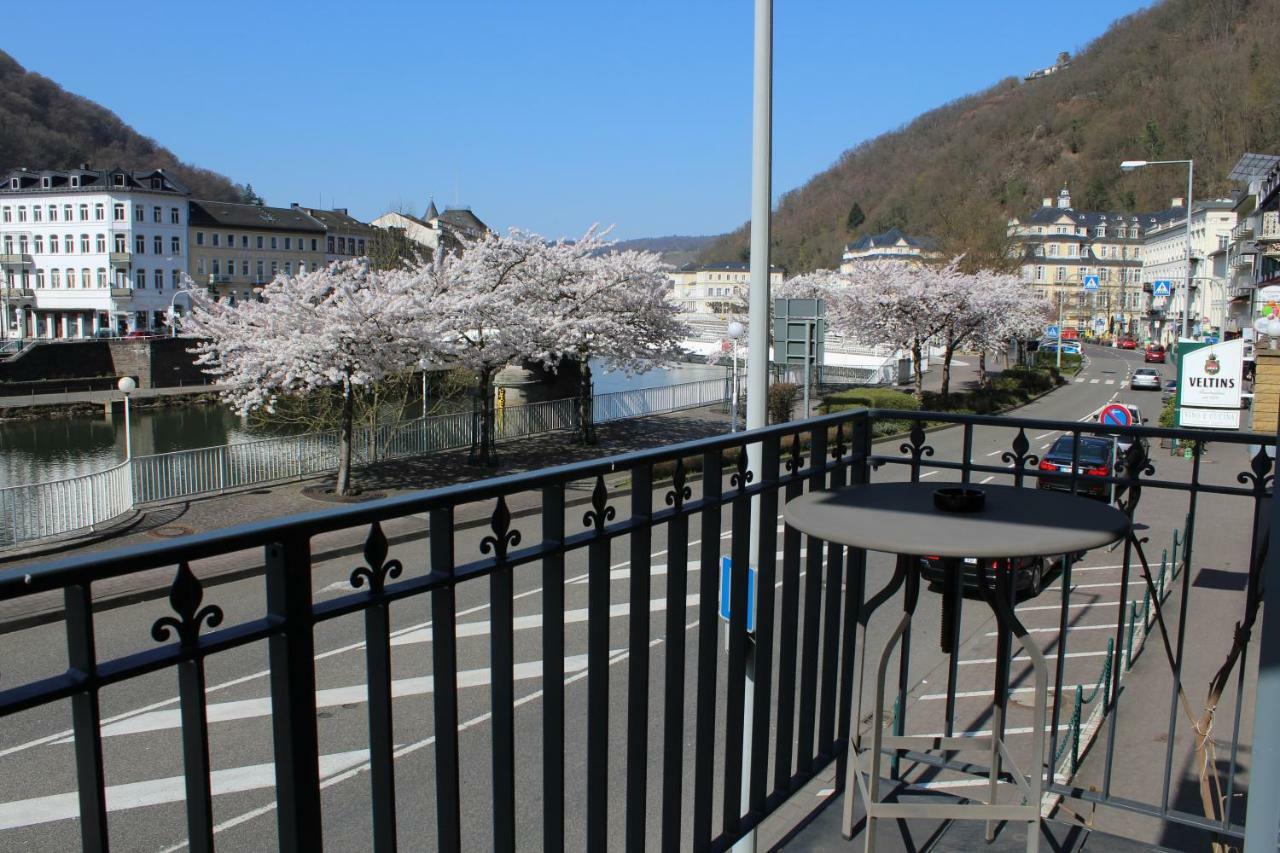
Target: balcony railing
[[668, 740], [1270, 231], [15, 259], [120, 259]]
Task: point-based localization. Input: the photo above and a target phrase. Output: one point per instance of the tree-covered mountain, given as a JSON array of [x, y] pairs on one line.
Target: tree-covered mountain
[[1185, 78], [43, 126], [675, 250]]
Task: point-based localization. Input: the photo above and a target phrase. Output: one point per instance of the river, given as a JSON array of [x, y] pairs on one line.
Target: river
[[42, 450]]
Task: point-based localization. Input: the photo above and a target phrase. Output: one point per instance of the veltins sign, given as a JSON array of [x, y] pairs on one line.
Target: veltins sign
[[1209, 378]]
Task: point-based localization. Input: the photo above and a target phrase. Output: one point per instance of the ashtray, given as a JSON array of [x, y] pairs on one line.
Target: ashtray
[[959, 499]]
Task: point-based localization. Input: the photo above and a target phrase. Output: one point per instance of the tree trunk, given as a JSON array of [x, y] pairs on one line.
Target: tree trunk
[[586, 401], [946, 368], [982, 368], [483, 450], [345, 428], [917, 369]]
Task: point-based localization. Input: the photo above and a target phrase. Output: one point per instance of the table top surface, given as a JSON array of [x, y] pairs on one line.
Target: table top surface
[[900, 518]]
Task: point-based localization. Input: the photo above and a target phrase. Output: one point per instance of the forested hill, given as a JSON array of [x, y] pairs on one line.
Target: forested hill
[[1185, 78], [43, 126]]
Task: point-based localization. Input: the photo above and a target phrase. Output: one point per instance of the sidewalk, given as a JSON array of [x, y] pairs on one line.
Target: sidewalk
[[19, 401]]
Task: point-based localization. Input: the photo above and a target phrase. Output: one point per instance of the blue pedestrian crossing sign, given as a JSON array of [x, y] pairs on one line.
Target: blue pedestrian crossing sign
[[1091, 282], [1050, 331], [726, 573], [1163, 287]]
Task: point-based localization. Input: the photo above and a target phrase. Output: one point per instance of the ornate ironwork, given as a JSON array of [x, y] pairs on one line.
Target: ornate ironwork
[[916, 446], [1137, 465], [796, 460], [679, 492], [602, 512], [1018, 456], [185, 596], [740, 479], [838, 449], [379, 568], [1260, 479], [504, 537]]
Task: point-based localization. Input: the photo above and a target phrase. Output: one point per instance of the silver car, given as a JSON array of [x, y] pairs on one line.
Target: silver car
[[1145, 377]]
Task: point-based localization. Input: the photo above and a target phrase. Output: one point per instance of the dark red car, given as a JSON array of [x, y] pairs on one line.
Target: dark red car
[[1155, 353], [1128, 343]]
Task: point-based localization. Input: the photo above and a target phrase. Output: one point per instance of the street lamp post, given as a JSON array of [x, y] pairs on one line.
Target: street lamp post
[[172, 312], [735, 331], [1129, 166], [127, 386]]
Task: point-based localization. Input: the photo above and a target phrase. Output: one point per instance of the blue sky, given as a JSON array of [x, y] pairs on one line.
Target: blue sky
[[548, 116]]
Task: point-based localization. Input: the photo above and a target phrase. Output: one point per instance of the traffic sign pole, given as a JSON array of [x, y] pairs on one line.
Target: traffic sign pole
[[1059, 331]]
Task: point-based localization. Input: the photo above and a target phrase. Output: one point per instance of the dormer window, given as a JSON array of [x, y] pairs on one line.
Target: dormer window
[[119, 180], [157, 183], [14, 183], [75, 180], [46, 182]]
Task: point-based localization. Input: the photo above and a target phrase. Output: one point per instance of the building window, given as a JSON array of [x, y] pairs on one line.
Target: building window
[[85, 281], [175, 278], [40, 279], [259, 271], [37, 213], [175, 246], [259, 241], [158, 278], [139, 213], [1071, 250], [69, 243], [102, 277], [244, 241], [199, 238], [8, 214], [100, 243], [217, 267], [140, 244], [288, 243], [361, 250], [157, 243], [22, 245], [141, 276], [156, 215], [99, 212], [71, 278], [174, 216], [84, 244], [342, 245], [328, 243], [288, 268], [231, 241], [216, 237], [53, 244], [1061, 274], [274, 244], [55, 279], [199, 266], [244, 267], [66, 213], [120, 245], [39, 244], [275, 268], [53, 213]]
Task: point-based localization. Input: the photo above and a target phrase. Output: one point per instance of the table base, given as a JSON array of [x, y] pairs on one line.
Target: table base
[[865, 764]]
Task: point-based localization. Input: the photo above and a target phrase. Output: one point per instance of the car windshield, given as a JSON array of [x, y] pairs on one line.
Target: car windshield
[[1145, 371], [1093, 451]]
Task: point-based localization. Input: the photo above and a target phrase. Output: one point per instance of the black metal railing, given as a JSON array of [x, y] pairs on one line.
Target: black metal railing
[[811, 610]]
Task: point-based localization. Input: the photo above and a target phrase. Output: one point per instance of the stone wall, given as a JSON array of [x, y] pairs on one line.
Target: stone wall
[[1266, 391], [154, 363]]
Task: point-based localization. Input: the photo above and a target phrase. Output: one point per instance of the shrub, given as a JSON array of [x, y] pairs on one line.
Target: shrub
[[872, 398], [782, 401]]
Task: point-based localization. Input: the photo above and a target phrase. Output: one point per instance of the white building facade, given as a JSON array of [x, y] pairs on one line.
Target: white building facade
[[718, 290], [1164, 258], [84, 251]]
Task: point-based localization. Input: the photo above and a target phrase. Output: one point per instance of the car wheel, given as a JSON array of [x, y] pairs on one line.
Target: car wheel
[[1037, 579]]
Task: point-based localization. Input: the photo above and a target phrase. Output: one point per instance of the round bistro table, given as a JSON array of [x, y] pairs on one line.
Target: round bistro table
[[901, 519]]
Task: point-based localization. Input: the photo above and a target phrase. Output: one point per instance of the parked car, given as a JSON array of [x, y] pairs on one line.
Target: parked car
[[1068, 347], [1124, 443], [1145, 377], [1128, 343], [1095, 460], [1154, 354], [140, 333], [1170, 391], [1030, 573]]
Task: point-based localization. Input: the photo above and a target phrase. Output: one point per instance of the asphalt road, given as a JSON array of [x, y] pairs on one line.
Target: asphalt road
[[38, 808]]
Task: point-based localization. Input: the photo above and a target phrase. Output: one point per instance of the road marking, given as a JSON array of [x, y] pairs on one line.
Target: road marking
[[1012, 730], [988, 480], [223, 712], [1094, 381], [929, 474], [1017, 657], [1054, 630], [1079, 379], [1069, 606], [1110, 382], [1058, 588], [980, 694], [994, 452], [1046, 445], [1046, 435]]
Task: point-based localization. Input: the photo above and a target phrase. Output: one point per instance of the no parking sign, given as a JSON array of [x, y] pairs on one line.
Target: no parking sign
[[1115, 415]]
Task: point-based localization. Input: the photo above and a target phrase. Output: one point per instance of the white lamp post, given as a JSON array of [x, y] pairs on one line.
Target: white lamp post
[[127, 386], [1129, 166], [735, 332]]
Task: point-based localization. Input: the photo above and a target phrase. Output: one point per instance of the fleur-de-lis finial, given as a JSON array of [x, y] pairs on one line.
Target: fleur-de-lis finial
[[1260, 479], [379, 568], [837, 451], [743, 476], [680, 492], [1019, 458], [796, 461], [504, 537], [602, 512], [184, 597], [916, 446]]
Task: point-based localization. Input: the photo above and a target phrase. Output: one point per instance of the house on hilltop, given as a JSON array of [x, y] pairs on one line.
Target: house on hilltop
[[892, 245]]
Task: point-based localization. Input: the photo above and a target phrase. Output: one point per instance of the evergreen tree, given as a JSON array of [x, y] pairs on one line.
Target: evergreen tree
[[856, 217]]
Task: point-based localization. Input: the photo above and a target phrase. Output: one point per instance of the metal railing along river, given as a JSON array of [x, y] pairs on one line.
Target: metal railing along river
[[41, 510]]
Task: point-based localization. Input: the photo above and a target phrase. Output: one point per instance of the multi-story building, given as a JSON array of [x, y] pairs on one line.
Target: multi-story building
[[891, 246], [1060, 249], [718, 289], [345, 236], [87, 250], [237, 247], [435, 229], [1164, 258]]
